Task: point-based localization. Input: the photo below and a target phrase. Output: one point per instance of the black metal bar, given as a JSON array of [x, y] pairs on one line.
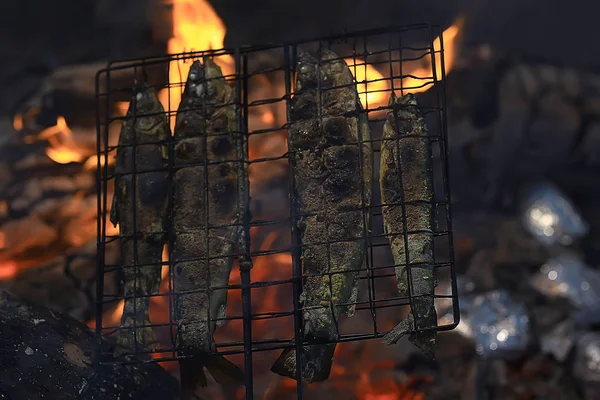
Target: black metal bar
[[290, 62], [441, 99], [128, 63], [248, 106], [241, 68], [170, 226], [100, 240]]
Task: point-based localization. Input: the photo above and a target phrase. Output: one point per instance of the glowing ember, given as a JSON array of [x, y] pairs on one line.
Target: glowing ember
[[8, 269], [18, 122]]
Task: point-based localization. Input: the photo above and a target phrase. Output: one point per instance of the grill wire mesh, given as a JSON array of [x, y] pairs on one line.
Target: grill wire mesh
[[264, 308]]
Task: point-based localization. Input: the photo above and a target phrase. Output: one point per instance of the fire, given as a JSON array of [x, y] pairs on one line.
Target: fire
[[63, 148], [8, 269], [196, 27], [422, 73], [371, 84], [373, 87]]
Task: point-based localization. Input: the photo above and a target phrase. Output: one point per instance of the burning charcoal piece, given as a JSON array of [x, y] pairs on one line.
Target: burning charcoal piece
[[405, 175], [205, 128], [568, 277], [586, 364], [559, 341], [332, 190], [497, 324], [140, 207], [550, 217]]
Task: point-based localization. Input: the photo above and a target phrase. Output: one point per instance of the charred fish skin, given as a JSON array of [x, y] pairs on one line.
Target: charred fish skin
[[204, 196], [406, 171], [140, 207], [326, 134]]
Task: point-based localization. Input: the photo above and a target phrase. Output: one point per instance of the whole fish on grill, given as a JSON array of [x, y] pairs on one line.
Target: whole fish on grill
[[140, 206], [204, 195], [405, 174], [332, 169]]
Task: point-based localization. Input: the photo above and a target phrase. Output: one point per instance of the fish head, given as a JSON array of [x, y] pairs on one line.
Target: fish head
[[217, 88], [402, 104], [195, 81], [408, 99], [333, 70], [403, 108], [146, 109], [306, 77]]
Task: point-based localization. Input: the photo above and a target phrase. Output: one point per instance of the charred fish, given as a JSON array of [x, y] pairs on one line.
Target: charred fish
[[205, 218], [405, 175], [332, 169], [139, 207]]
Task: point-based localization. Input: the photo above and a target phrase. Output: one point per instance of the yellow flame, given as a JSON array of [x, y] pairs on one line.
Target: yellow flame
[[450, 36], [368, 78], [61, 151], [196, 27], [92, 162], [371, 90]]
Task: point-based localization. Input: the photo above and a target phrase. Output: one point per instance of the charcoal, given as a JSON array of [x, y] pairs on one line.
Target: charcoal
[[550, 216], [568, 277]]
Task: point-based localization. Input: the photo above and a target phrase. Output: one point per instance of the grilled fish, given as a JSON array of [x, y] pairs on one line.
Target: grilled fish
[[406, 170], [140, 206], [204, 196], [332, 168]]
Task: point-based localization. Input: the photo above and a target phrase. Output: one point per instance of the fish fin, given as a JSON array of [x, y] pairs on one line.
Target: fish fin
[[399, 330], [224, 371], [191, 374], [114, 211], [316, 362], [425, 341]]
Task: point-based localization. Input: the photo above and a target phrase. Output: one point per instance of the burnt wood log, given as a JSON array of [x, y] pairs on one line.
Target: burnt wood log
[[67, 284], [48, 220], [44, 355]]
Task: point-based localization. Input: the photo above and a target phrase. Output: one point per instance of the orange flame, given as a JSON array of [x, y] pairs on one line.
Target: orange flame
[[18, 122], [370, 80], [371, 84], [63, 150], [196, 27], [450, 35], [8, 270]]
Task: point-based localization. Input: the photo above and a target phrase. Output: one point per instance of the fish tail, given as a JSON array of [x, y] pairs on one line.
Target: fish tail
[[141, 339], [222, 370], [424, 340], [316, 362], [399, 330]]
